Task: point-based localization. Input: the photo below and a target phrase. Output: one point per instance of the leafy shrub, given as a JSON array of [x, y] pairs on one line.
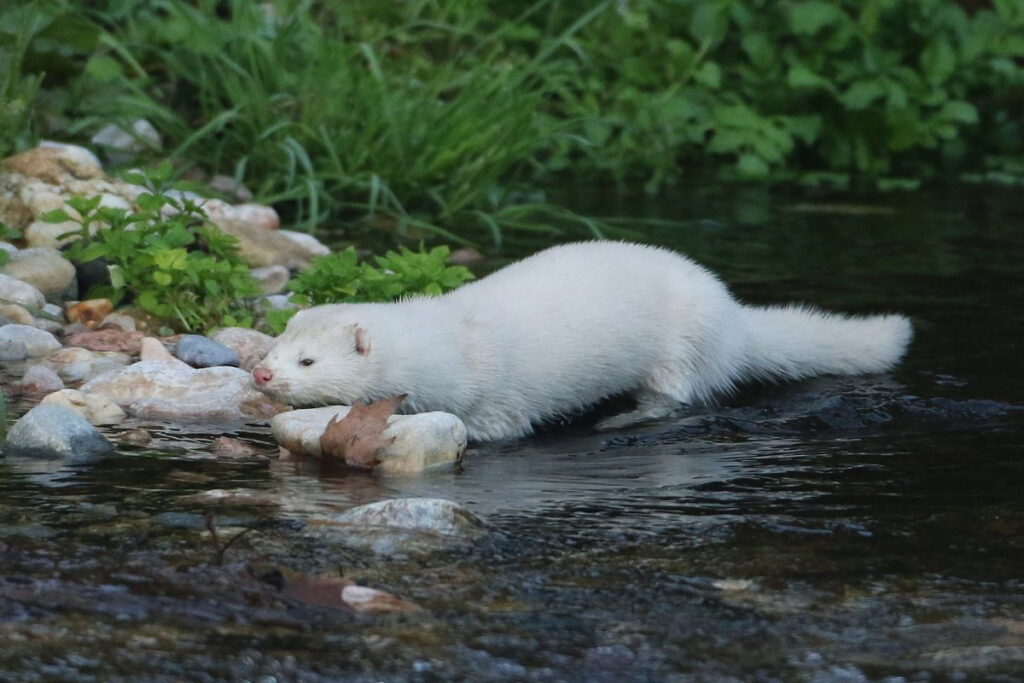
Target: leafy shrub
[[181, 268], [340, 277], [814, 89]]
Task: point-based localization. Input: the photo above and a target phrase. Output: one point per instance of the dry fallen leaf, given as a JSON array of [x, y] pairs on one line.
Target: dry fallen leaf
[[358, 438]]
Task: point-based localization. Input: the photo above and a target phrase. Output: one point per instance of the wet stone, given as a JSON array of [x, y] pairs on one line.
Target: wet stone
[[403, 527], [56, 432], [202, 352]]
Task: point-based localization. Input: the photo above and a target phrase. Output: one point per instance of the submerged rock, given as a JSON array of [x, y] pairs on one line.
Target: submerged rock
[[250, 345], [171, 390], [422, 441], [56, 432], [202, 352], [37, 342], [404, 526]]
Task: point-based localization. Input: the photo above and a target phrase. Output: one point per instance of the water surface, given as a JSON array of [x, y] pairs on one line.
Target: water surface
[[835, 529]]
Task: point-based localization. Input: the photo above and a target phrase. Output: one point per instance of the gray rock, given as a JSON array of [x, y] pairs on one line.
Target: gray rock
[[56, 432], [37, 342], [202, 352], [39, 380], [250, 345], [14, 291], [76, 364], [171, 390], [45, 269], [422, 440], [12, 350], [403, 527]]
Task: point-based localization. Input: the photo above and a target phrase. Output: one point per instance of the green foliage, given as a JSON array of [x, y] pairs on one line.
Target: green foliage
[[437, 116], [878, 89], [341, 277], [180, 267]]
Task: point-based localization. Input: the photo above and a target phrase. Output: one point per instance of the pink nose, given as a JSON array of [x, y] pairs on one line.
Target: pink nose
[[262, 375]]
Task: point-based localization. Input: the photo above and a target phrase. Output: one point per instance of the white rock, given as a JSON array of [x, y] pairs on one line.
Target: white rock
[[14, 291], [422, 440], [118, 321], [37, 342], [140, 137], [171, 390], [96, 408], [229, 186], [8, 247], [12, 350], [310, 243]]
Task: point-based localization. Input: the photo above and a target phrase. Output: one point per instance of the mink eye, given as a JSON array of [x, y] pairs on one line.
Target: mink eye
[[306, 362]]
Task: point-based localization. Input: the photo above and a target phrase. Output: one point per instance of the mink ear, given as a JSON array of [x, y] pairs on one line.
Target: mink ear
[[362, 341]]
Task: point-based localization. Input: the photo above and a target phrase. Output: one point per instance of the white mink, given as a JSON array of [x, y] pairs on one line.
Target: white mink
[[561, 330]]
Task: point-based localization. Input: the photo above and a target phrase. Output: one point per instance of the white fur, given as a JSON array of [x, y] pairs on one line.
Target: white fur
[[559, 331]]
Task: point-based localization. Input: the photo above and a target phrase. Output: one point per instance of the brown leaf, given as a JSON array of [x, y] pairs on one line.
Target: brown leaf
[[358, 438]]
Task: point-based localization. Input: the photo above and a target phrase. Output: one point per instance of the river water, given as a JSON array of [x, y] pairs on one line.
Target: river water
[[836, 529]]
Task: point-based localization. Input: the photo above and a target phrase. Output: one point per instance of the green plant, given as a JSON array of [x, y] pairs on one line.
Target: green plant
[[181, 268], [341, 277]]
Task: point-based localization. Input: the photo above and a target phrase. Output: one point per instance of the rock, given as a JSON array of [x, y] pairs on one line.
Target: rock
[[280, 302], [37, 342], [55, 432], [89, 312], [14, 291], [201, 352], [256, 215], [307, 241], [12, 350], [136, 437], [44, 234], [108, 340], [54, 162], [250, 345], [97, 409], [54, 312], [118, 321], [402, 527], [229, 186], [422, 440], [465, 256], [76, 364], [226, 447], [171, 390], [8, 247], [154, 349], [45, 269], [271, 279], [39, 380], [14, 313], [140, 137]]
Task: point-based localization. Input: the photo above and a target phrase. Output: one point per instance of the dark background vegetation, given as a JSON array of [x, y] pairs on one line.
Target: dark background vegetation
[[455, 115]]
